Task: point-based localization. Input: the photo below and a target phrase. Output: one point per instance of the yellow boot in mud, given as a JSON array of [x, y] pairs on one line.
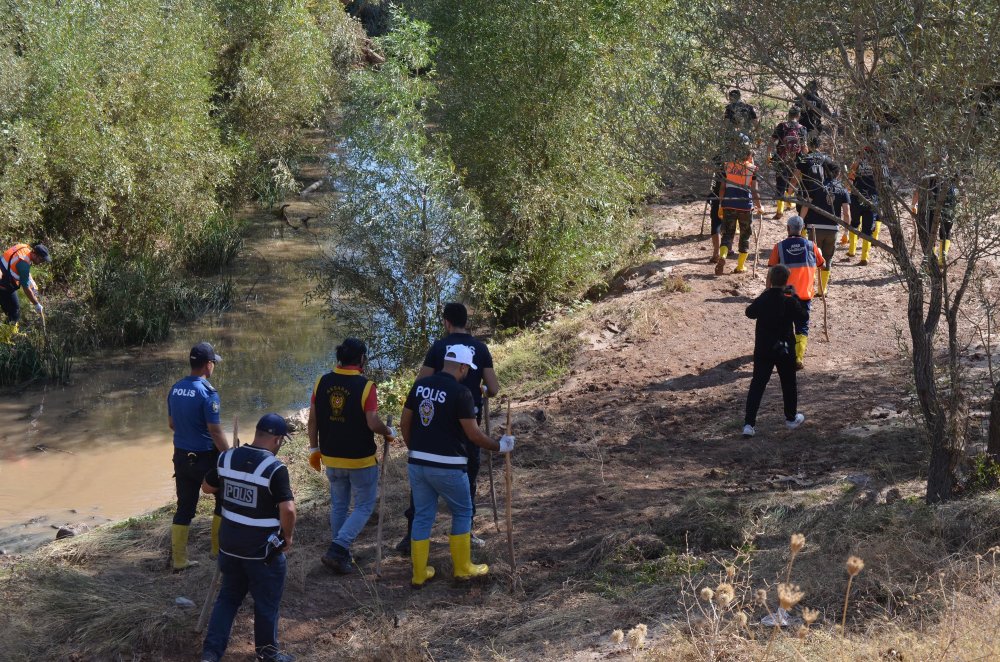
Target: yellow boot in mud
[[741, 262], [779, 210], [179, 545], [878, 228], [216, 525], [865, 247], [461, 558], [824, 280], [720, 264], [419, 551], [852, 246], [801, 341]]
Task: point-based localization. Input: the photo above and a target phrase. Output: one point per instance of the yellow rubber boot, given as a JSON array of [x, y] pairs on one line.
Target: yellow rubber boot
[[878, 228], [852, 246], [779, 209], [419, 551], [461, 558], [723, 252], [865, 247], [801, 341], [216, 525], [178, 546], [943, 253], [741, 263], [824, 280]]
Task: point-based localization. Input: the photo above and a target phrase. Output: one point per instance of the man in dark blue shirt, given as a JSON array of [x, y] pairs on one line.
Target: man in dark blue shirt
[[193, 414], [456, 318]]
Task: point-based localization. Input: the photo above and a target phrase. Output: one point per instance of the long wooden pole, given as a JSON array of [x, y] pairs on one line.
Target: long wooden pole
[[213, 587], [381, 501], [489, 461], [509, 482], [756, 243], [819, 287]]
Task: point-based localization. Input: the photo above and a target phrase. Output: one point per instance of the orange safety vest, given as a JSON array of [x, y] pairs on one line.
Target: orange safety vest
[[11, 258], [740, 173]]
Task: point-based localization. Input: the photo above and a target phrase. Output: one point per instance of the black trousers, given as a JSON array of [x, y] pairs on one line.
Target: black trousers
[[10, 304], [764, 364], [189, 471]]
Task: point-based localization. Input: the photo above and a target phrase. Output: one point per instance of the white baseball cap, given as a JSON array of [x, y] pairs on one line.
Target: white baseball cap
[[460, 354]]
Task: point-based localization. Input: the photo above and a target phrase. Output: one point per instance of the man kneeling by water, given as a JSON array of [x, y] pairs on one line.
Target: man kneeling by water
[[439, 415], [258, 520]]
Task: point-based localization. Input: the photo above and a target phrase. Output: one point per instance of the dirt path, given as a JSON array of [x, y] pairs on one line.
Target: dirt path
[[648, 420], [630, 477]]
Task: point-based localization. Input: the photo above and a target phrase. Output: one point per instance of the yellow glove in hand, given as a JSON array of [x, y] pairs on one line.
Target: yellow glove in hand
[[315, 460]]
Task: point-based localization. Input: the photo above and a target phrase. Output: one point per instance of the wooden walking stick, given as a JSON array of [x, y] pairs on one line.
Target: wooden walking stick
[[701, 232], [489, 460], [381, 502], [509, 483], [756, 241], [819, 289], [216, 583]]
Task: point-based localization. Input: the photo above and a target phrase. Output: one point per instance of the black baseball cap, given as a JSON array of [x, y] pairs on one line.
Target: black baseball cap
[[203, 351], [273, 424], [42, 251]]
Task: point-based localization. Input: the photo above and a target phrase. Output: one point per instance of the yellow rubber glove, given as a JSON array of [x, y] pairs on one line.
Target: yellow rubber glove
[[315, 460]]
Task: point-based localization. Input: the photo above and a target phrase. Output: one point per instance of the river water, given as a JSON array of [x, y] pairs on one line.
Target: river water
[[99, 448]]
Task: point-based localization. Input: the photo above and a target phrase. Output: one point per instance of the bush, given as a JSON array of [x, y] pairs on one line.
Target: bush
[[209, 247]]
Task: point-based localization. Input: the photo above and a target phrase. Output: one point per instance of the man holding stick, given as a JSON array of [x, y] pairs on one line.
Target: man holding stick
[[343, 422], [438, 419], [481, 381]]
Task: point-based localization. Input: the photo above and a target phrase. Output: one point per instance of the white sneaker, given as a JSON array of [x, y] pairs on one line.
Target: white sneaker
[[795, 422], [476, 540], [748, 431]]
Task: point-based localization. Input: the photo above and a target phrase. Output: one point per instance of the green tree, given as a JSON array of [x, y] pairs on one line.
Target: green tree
[[407, 232]]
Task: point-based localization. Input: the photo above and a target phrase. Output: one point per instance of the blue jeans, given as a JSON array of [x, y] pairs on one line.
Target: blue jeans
[[265, 583], [362, 485], [429, 483]]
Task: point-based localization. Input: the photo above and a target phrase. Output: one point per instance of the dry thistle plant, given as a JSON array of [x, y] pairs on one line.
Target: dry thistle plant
[[809, 615], [707, 594], [797, 542], [789, 595], [617, 636], [854, 566], [637, 636], [724, 595]]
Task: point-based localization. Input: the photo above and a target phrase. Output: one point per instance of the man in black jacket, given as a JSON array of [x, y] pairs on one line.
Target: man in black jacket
[[776, 311]]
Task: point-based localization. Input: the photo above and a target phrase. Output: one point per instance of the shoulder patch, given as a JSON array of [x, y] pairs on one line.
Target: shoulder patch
[[215, 406]]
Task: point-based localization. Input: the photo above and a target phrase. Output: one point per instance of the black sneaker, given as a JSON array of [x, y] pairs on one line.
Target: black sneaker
[[338, 559], [403, 546], [268, 655]]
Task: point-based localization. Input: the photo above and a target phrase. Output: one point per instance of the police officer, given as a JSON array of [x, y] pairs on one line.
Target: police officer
[[343, 422], [258, 522], [456, 319], [438, 417], [15, 273], [193, 415], [801, 257]]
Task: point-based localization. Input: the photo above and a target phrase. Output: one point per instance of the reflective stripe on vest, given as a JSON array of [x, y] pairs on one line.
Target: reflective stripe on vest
[[443, 459], [249, 521], [256, 477], [246, 495], [11, 257]]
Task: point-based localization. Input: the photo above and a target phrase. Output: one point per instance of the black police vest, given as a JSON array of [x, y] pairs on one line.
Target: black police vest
[[341, 422], [249, 512], [438, 403]]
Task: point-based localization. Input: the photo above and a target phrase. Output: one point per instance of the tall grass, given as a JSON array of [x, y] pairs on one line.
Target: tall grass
[[212, 245]]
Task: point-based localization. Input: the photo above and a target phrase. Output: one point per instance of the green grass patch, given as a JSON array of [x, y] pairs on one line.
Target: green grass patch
[[534, 362]]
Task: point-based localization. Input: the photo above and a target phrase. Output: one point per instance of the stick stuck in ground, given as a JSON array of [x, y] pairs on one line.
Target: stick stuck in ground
[[509, 484], [381, 502], [216, 583], [489, 461]]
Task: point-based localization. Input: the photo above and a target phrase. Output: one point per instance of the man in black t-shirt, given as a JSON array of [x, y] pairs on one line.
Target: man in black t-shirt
[[438, 421], [833, 199], [456, 318], [788, 141], [258, 521]]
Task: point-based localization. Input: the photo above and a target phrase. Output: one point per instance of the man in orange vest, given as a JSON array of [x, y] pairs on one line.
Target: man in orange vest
[[739, 199], [802, 257], [15, 273]]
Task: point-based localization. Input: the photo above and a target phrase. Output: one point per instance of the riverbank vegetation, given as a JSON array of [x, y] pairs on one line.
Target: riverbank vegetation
[[130, 133]]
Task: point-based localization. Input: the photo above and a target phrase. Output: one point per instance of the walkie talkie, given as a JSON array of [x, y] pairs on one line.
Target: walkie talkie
[[275, 543]]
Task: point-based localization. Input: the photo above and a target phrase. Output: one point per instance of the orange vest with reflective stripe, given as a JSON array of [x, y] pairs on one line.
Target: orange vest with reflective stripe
[[11, 257]]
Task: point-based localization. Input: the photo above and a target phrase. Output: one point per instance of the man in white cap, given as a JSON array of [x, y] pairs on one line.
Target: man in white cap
[[438, 417]]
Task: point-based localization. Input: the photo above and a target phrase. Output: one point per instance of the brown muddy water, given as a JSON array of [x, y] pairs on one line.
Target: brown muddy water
[[99, 448]]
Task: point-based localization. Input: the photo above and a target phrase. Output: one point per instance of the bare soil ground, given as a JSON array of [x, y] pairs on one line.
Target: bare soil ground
[[632, 486]]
